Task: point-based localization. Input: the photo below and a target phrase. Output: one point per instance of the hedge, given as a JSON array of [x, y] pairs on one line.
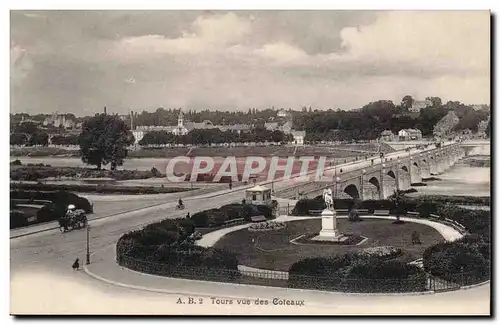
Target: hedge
[[51, 211], [217, 217], [354, 273], [18, 219], [425, 205], [475, 221], [210, 178], [164, 248], [303, 206], [465, 261]]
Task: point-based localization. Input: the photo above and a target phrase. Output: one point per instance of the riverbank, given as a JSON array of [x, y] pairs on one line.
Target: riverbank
[[99, 189], [38, 172]]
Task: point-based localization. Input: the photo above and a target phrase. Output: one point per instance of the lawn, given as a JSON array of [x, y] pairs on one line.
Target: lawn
[[273, 250]]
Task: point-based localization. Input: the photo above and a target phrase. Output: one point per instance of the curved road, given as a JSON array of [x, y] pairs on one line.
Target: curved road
[[50, 254]]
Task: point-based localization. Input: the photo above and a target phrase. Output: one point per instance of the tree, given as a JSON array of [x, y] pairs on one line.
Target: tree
[[398, 202], [27, 127], [18, 139], [488, 129], [407, 102], [39, 138], [436, 101], [104, 139]]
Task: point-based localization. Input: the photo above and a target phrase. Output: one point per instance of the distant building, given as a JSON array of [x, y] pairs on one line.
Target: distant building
[[180, 129], [138, 135], [285, 127], [417, 105], [58, 120], [387, 135], [298, 137], [239, 128], [282, 113], [23, 120], [271, 126], [409, 134]]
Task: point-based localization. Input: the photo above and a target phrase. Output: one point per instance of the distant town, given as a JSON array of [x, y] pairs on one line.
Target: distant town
[[380, 121]]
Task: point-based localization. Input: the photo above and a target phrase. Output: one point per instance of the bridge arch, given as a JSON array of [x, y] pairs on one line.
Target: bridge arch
[[415, 164], [374, 190], [391, 174], [352, 191], [405, 168]]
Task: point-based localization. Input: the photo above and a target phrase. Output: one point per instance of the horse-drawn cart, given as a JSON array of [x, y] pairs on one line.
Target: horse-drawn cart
[[73, 220]]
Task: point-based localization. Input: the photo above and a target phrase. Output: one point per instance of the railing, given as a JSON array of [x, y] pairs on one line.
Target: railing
[[420, 282]]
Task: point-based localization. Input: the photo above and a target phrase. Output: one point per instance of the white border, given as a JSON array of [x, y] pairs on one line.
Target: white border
[[145, 4]]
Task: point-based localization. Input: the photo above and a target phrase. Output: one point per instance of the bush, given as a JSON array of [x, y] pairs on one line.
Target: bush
[[303, 206], [57, 197], [217, 217], [17, 219], [375, 275], [463, 261], [167, 248], [200, 219], [16, 162], [155, 172], [58, 206], [354, 273]]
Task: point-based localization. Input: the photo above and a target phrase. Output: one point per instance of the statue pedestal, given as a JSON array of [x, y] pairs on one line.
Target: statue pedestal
[[329, 231], [328, 223]]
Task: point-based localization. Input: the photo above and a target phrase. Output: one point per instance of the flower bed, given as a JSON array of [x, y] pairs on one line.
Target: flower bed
[[383, 252], [267, 226]]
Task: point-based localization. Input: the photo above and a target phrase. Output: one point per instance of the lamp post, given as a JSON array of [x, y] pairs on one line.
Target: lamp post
[[397, 175], [88, 245]]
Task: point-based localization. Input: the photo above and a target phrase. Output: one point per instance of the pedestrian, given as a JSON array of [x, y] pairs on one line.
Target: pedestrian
[[188, 216], [230, 185], [76, 264]]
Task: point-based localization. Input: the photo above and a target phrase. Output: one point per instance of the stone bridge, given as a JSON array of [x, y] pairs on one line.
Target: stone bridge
[[378, 178]]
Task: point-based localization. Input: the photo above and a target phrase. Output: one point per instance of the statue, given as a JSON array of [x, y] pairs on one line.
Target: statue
[[328, 197]]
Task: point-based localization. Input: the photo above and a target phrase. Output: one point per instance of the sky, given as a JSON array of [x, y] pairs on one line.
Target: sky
[[80, 61]]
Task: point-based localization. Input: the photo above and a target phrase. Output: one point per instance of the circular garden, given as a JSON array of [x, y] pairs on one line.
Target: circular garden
[[378, 263], [280, 249]]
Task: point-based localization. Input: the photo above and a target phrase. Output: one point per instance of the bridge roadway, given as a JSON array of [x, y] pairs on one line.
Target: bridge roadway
[[52, 252]]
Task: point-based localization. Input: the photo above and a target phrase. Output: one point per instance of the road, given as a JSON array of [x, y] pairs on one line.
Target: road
[[54, 252]]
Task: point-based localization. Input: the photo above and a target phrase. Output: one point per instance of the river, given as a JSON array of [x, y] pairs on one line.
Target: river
[[460, 180]]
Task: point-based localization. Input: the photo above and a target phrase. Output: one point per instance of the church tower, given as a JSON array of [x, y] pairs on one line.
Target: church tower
[[180, 120]]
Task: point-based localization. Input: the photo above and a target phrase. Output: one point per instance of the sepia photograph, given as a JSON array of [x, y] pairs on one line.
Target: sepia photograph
[[250, 162]]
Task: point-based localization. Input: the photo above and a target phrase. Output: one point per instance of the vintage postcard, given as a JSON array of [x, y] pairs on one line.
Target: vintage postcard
[[234, 162]]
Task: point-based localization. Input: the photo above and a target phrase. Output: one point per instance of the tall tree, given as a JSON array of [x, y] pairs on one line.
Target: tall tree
[[436, 101], [104, 139], [407, 102]]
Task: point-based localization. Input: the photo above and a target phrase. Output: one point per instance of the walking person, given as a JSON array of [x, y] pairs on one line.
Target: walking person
[[76, 264]]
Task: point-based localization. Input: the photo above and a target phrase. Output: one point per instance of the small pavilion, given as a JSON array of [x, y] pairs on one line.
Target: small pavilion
[[258, 195]]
